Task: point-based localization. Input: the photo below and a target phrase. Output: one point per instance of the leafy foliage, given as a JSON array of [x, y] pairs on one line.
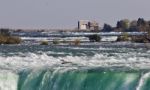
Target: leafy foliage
[[107, 28]]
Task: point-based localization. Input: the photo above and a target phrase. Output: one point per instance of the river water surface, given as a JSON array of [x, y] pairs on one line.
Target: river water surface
[[37, 67]]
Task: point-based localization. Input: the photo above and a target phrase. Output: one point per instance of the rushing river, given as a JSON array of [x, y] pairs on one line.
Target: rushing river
[[37, 67]]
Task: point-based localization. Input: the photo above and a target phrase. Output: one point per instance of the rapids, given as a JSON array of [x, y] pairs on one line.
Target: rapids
[[35, 67]]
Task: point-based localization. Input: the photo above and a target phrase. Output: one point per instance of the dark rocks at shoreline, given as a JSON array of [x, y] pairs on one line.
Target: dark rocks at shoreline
[[135, 39], [121, 38], [142, 39]]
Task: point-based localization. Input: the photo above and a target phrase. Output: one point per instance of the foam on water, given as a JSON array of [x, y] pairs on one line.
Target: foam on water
[[8, 80], [142, 80], [74, 68], [29, 60]]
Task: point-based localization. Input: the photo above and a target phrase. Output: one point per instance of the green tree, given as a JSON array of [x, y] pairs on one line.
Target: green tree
[[141, 22], [4, 31], [107, 28], [133, 23], [124, 24]]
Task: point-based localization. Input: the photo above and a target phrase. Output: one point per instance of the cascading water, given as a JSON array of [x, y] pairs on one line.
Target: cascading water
[[77, 80], [143, 81], [68, 68], [8, 80]]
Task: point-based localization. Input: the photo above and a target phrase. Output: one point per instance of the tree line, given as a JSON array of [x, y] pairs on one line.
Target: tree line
[[126, 25]]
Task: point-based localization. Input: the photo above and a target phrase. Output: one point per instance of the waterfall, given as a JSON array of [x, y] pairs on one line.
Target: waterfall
[[143, 80], [8, 80], [64, 79], [72, 79]]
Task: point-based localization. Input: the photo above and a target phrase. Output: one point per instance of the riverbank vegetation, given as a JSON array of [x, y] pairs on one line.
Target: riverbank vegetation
[[44, 43], [76, 42], [126, 25], [94, 38], [6, 38], [56, 41]]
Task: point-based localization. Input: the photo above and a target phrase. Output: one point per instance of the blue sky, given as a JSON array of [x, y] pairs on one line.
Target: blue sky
[[65, 13]]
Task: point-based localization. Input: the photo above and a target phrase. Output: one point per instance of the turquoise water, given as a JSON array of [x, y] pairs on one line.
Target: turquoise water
[[78, 80], [35, 67]]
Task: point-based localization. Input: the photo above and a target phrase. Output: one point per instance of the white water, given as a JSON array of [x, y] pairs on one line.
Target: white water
[[8, 80], [31, 60], [110, 38], [142, 80], [21, 61]]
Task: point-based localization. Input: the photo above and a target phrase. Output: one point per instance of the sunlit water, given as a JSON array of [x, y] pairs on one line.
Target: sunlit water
[[37, 67]]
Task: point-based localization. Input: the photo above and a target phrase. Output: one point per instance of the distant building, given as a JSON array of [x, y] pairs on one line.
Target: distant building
[[88, 25], [93, 25], [83, 24]]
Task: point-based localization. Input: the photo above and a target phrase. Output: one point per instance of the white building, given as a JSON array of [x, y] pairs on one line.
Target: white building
[[83, 24], [88, 25]]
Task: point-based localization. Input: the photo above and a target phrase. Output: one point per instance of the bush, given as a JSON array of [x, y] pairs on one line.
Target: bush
[[13, 40], [9, 39], [64, 41], [141, 39], [4, 31], [95, 38], [3, 39], [77, 42], [56, 41], [44, 43], [124, 37]]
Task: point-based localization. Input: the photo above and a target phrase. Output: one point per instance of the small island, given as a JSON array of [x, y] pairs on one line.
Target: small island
[[6, 38]]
